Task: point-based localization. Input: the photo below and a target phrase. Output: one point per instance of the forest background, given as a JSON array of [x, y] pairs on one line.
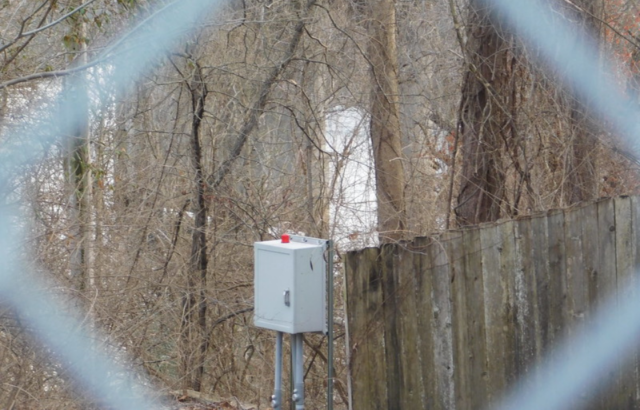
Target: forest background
[[364, 122]]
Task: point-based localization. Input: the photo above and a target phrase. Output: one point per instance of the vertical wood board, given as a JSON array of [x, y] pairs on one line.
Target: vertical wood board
[[525, 294], [575, 308], [495, 301], [624, 259], [509, 267], [442, 317], [460, 339], [390, 313], [476, 326], [423, 276], [367, 338], [411, 392], [556, 277]]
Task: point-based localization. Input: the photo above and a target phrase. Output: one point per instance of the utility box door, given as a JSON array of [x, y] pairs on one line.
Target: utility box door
[[290, 287]]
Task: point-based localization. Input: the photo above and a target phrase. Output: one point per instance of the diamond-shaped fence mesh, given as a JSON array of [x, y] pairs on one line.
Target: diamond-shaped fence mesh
[[614, 330], [579, 365], [97, 372]]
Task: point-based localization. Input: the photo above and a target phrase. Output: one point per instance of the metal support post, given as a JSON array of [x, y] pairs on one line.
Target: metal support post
[[292, 371], [298, 365], [276, 399], [330, 325]]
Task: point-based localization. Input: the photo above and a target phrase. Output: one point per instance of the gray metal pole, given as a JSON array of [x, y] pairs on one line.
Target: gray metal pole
[[330, 325], [276, 399], [298, 392], [292, 361], [294, 370]]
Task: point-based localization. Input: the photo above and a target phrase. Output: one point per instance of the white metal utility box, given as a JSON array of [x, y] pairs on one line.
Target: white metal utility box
[[290, 285]]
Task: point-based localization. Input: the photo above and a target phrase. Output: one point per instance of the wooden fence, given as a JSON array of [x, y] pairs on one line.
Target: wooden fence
[[450, 322]]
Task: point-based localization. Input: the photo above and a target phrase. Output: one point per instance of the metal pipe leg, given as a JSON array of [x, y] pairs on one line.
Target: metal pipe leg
[[298, 392], [292, 367], [294, 357], [276, 399]]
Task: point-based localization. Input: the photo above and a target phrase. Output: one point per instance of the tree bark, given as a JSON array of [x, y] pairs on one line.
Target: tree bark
[[78, 164], [483, 119], [580, 182], [385, 133], [194, 327], [215, 179]]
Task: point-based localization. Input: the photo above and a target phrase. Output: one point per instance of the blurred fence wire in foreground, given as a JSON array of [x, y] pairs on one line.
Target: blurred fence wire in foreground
[[97, 372], [580, 365], [614, 330]]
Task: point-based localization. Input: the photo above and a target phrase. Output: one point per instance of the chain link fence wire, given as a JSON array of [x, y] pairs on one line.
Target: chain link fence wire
[[579, 366], [101, 373]]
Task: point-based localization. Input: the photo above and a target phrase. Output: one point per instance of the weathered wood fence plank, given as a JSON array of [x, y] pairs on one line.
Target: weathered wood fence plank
[[635, 242], [495, 304], [412, 391], [540, 252], [508, 273], [588, 217], [368, 364], [576, 286], [624, 261], [460, 326], [390, 325], [442, 317], [423, 275], [556, 277], [476, 327], [577, 289], [525, 293], [606, 277], [591, 261], [606, 263]]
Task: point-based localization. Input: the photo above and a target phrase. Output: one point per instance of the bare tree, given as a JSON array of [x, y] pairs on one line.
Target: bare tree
[[485, 116], [384, 127], [504, 171], [580, 164], [78, 160], [194, 326], [261, 123]]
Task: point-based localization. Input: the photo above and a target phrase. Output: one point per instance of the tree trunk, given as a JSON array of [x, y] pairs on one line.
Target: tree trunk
[[580, 182], [483, 119], [313, 81], [384, 129], [194, 327], [78, 165]]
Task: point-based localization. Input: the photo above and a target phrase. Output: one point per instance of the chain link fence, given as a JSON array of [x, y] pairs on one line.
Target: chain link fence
[[104, 375]]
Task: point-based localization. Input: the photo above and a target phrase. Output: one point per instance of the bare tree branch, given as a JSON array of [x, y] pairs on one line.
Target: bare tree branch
[[254, 114]]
